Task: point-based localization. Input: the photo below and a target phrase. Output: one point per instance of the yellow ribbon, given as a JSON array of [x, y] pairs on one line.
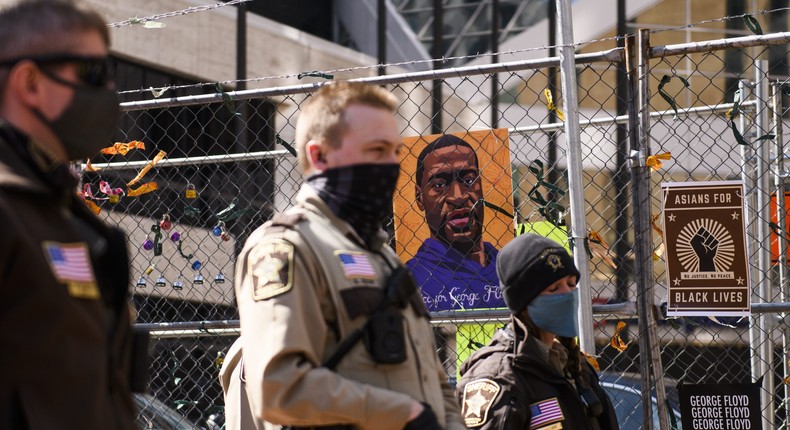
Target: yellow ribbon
[[551, 106], [90, 167], [146, 168], [142, 189], [599, 248], [617, 343], [123, 148], [654, 161], [660, 251], [592, 360], [92, 206]]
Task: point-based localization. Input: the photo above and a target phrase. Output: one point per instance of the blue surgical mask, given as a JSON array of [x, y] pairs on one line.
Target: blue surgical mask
[[556, 313]]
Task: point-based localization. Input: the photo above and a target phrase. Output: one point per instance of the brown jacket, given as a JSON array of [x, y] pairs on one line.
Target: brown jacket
[[299, 293], [510, 385], [66, 334]]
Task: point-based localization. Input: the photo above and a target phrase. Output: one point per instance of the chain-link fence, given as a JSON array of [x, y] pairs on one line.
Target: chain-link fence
[[229, 166]]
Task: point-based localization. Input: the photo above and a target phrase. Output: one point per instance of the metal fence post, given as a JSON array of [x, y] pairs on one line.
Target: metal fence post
[[781, 220], [649, 353], [765, 350], [575, 173], [752, 244]]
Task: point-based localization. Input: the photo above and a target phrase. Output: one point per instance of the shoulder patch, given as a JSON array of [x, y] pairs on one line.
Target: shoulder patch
[[271, 267], [545, 413], [71, 264], [355, 264], [479, 396]]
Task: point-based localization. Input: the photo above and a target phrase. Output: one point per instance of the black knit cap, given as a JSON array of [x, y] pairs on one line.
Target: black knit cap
[[529, 264]]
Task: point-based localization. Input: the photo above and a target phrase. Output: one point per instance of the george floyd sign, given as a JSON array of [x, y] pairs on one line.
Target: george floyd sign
[[705, 240], [720, 406]]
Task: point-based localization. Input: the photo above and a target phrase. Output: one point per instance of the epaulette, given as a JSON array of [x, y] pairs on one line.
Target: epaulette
[[287, 219]]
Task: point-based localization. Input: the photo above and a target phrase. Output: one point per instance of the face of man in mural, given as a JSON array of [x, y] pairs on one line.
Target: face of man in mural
[[449, 193]]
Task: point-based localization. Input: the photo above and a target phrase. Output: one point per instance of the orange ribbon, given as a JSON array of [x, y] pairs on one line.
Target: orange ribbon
[[92, 206], [123, 148], [599, 248], [617, 343], [146, 168], [142, 189], [654, 161]]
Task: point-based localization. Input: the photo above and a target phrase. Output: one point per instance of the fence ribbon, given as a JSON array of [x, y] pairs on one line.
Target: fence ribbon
[[669, 99], [660, 251], [142, 189], [752, 23], [550, 210], [147, 167], [285, 144], [551, 106], [654, 161], [123, 148], [230, 212], [733, 113], [617, 342], [595, 245], [315, 74]]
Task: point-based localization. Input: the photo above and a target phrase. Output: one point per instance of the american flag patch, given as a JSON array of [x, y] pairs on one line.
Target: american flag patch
[[69, 262], [545, 412], [356, 265]]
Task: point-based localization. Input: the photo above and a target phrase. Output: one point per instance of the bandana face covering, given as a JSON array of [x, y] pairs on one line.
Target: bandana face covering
[[556, 313], [360, 194]]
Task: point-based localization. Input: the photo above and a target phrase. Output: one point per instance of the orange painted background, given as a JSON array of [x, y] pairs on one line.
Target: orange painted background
[[493, 154]]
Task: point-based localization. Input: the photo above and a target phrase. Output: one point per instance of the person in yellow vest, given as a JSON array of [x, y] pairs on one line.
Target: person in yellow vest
[[334, 333]]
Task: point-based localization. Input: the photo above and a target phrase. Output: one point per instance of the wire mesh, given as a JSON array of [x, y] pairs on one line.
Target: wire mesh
[[229, 167]]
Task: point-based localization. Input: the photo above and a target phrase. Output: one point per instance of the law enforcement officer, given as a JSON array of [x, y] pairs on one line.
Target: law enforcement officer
[[64, 278], [532, 374], [314, 275]]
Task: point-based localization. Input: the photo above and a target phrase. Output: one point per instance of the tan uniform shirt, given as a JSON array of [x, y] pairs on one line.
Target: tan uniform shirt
[[302, 289]]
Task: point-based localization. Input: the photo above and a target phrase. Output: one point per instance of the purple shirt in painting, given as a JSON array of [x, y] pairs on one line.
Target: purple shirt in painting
[[450, 281]]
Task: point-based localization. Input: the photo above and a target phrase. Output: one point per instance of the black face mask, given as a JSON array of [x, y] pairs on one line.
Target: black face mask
[[360, 194], [88, 123]]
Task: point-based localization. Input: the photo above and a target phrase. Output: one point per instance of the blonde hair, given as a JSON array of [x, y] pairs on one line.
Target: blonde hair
[[322, 116]]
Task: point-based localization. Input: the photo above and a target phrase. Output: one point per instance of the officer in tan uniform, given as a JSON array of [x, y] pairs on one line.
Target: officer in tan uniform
[[314, 275], [64, 275]]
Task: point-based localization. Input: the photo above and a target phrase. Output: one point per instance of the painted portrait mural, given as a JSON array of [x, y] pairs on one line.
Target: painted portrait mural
[[453, 212]]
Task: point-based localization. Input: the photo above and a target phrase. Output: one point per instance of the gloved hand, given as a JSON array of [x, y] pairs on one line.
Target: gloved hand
[[425, 421]]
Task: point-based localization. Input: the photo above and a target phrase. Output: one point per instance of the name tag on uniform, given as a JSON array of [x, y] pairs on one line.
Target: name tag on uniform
[[71, 265]]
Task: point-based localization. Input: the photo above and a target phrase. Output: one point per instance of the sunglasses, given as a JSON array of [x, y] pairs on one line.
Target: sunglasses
[[93, 71]]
